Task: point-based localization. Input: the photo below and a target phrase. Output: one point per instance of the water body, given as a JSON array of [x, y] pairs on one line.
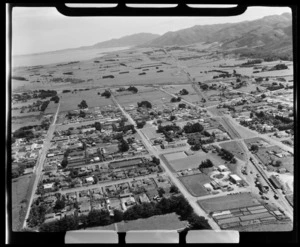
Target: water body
[[59, 57]]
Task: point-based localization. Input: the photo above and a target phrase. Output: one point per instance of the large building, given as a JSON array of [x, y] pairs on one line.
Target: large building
[[235, 178]]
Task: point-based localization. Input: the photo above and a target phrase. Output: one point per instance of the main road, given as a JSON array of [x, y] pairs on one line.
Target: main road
[[192, 200], [40, 162]]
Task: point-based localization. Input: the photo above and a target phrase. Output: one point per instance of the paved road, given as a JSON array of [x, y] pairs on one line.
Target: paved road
[[41, 160]]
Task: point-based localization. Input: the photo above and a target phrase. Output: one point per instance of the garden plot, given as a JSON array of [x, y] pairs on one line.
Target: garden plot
[[228, 202], [194, 184]]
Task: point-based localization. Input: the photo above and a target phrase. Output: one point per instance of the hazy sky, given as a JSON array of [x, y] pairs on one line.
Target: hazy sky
[[45, 29]]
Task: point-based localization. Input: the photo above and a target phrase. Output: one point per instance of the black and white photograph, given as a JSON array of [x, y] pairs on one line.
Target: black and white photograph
[[127, 123]]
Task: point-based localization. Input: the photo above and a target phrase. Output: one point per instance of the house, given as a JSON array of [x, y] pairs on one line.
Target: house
[[89, 179], [222, 168], [48, 187]]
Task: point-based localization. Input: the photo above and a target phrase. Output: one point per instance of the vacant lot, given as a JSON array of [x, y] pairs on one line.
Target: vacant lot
[[19, 191], [151, 133], [256, 140], [236, 148], [22, 122], [228, 202], [194, 184]]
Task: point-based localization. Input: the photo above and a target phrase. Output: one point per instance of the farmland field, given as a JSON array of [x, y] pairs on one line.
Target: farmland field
[[228, 202], [194, 184]]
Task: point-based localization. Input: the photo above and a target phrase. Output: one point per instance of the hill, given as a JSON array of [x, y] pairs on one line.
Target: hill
[[271, 34]]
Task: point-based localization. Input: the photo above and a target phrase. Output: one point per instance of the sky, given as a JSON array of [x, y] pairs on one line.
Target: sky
[[36, 30]]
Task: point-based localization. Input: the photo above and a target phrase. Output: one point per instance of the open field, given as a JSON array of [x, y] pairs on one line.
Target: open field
[[151, 133], [193, 161], [236, 148], [194, 184], [22, 122], [71, 101], [19, 191], [228, 202]]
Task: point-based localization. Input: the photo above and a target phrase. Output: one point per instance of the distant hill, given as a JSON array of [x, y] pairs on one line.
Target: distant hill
[[270, 33], [129, 40]]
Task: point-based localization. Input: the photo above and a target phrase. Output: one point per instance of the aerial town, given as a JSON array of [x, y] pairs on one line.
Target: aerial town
[[188, 137]]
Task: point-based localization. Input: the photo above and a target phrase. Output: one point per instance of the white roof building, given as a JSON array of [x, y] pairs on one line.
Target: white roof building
[[222, 168], [235, 177], [48, 186], [89, 179]]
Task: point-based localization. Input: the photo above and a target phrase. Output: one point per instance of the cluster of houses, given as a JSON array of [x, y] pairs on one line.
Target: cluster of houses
[[25, 153], [104, 114], [119, 196]]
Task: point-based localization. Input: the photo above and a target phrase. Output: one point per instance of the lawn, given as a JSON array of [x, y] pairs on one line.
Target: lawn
[[194, 184], [158, 222], [228, 202]]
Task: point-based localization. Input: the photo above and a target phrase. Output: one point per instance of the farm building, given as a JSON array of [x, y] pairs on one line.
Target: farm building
[[89, 179], [235, 178], [215, 185], [222, 168]]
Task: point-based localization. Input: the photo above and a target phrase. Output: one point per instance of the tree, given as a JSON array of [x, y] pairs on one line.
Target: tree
[[145, 104], [263, 96], [64, 162], [98, 126], [184, 92], [277, 163], [251, 114], [82, 114], [140, 124], [59, 204], [123, 146], [280, 107], [106, 94], [174, 189], [172, 117], [118, 215], [198, 222], [192, 128], [83, 104], [161, 191], [181, 105], [132, 89], [254, 148], [155, 160], [196, 147], [206, 164]]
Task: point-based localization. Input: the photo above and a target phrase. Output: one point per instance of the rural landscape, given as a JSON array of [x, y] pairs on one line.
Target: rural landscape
[[192, 129]]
